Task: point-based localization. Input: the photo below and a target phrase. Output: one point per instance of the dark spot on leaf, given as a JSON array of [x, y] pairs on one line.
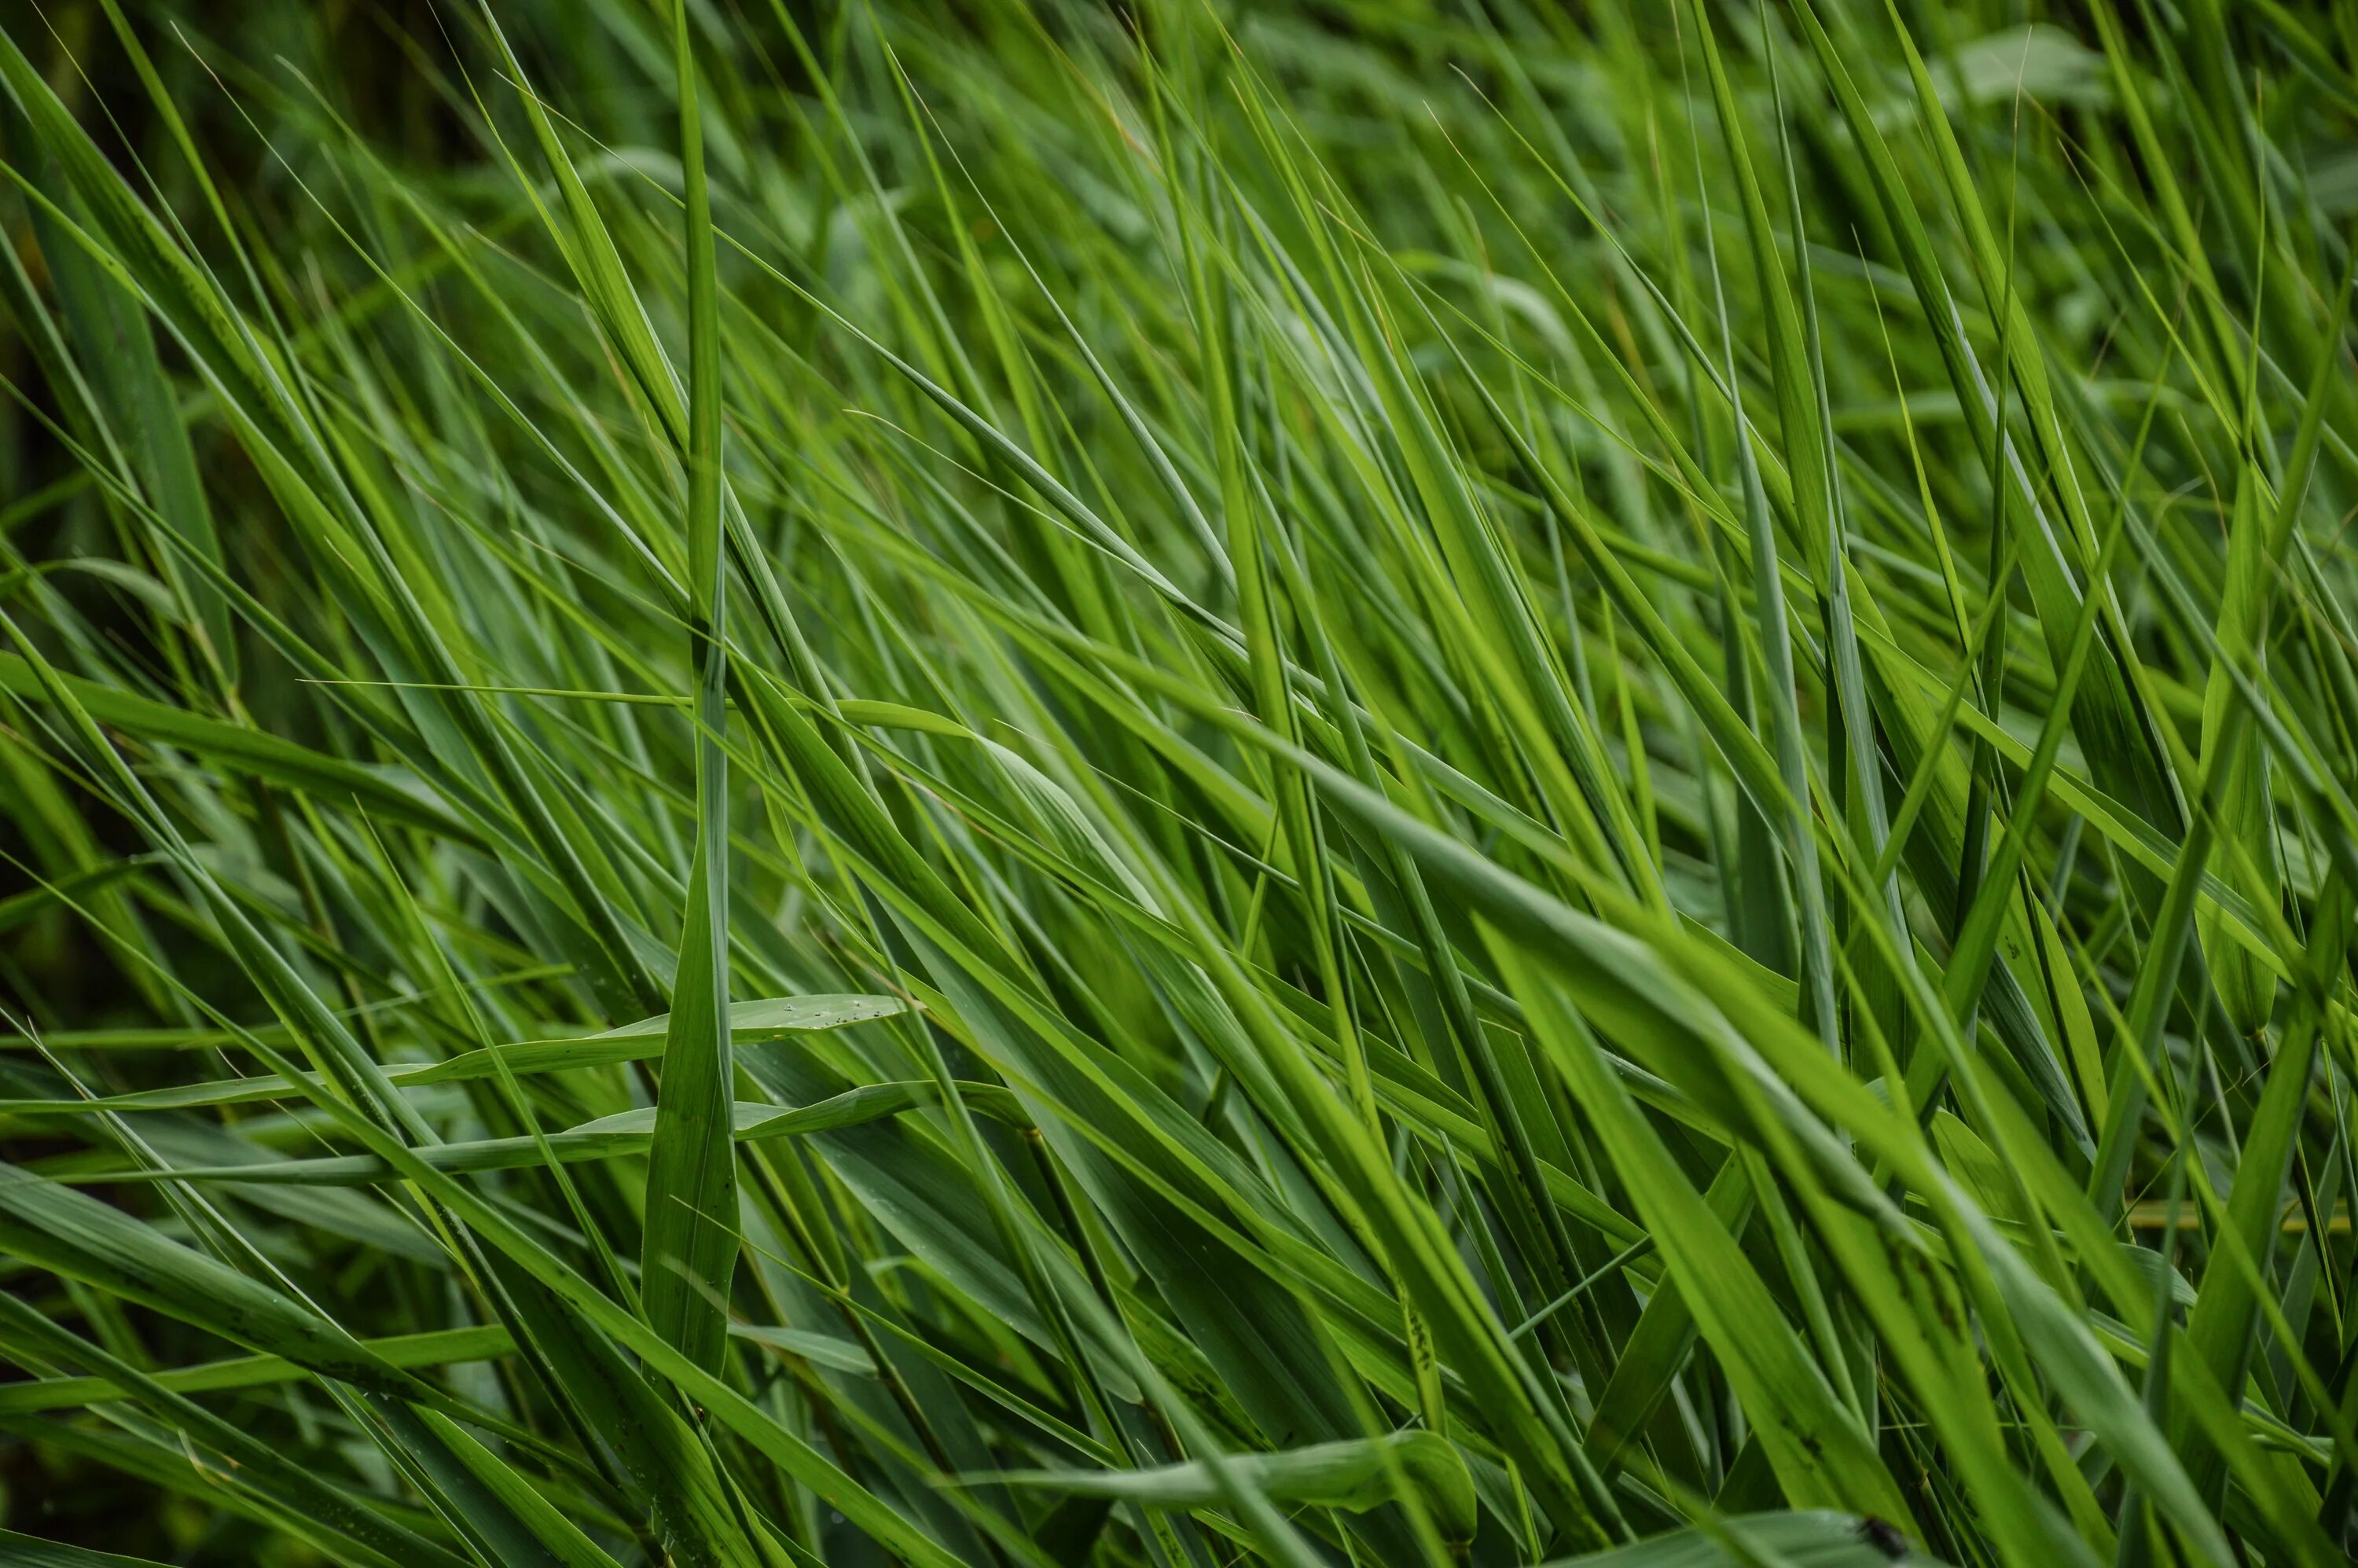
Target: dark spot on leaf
[[1884, 1536]]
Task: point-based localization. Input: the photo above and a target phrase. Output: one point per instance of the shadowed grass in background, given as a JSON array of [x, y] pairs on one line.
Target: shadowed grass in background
[[1031, 784]]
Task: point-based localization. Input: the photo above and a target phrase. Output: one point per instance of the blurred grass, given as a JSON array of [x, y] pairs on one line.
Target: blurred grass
[[1027, 784]]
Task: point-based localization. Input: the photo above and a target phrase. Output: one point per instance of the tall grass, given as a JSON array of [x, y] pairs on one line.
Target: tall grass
[[1025, 783]]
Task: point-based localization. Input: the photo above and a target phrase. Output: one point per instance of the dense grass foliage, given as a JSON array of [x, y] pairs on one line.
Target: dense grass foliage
[[1018, 784]]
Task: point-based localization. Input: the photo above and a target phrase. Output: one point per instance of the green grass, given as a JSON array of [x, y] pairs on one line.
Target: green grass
[[1008, 784]]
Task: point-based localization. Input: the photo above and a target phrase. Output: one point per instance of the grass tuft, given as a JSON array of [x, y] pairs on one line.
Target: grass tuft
[[1033, 784]]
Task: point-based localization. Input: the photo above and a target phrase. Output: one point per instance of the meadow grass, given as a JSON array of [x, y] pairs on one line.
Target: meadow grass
[[1024, 784]]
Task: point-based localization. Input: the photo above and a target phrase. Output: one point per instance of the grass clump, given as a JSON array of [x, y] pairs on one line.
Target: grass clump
[[1035, 784]]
